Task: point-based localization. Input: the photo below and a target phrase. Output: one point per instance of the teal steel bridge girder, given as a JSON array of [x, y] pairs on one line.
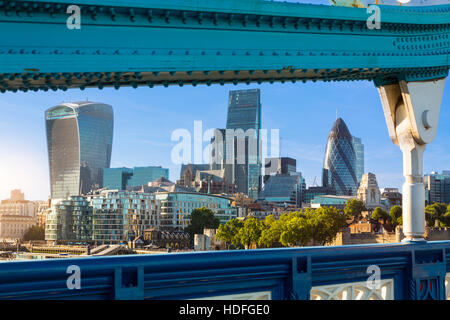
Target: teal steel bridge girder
[[161, 42]]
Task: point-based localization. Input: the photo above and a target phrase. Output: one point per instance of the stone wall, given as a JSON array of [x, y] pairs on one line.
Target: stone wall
[[346, 237]]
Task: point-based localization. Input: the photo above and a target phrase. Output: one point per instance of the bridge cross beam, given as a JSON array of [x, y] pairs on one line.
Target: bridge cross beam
[[411, 110]]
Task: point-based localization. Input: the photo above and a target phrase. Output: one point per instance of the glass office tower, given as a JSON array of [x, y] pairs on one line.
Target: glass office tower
[[339, 168], [244, 112], [121, 178], [79, 141], [359, 153]]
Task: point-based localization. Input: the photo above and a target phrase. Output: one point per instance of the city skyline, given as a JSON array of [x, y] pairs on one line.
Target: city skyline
[[145, 121]]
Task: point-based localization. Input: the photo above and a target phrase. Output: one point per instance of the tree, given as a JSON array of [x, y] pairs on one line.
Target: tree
[[378, 214], [202, 218], [444, 220], [297, 231], [229, 231], [251, 232], [354, 208], [325, 224], [396, 215], [434, 212], [34, 233], [271, 232]]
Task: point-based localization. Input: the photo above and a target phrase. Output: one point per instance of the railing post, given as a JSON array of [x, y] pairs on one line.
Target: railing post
[[427, 276], [129, 283], [300, 283]]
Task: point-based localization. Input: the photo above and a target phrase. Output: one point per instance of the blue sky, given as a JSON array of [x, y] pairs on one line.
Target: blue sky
[[145, 119]]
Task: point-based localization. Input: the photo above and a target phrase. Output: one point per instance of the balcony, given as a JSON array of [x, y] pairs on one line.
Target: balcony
[[406, 271]]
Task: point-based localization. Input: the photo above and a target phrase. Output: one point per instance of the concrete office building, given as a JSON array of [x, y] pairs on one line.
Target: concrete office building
[[176, 208]]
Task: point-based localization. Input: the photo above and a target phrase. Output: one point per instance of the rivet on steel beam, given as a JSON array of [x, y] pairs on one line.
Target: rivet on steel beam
[[112, 14], [167, 16]]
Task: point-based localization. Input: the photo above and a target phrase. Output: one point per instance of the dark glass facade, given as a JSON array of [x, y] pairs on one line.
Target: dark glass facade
[[339, 168], [283, 188], [283, 165], [437, 187], [79, 141], [359, 153], [244, 112], [121, 178]]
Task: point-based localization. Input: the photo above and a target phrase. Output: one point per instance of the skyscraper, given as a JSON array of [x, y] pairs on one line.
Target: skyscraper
[[339, 168], [79, 141], [283, 165], [359, 152], [244, 117]]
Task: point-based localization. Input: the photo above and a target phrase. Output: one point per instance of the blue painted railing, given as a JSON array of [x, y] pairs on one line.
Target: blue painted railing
[[417, 272]]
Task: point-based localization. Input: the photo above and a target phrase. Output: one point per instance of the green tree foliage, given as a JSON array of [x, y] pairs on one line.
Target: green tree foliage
[[396, 215], [34, 233], [325, 223], [229, 231], [444, 220], [250, 232], [297, 231], [354, 208], [202, 218], [291, 229], [271, 232], [434, 212], [378, 214]]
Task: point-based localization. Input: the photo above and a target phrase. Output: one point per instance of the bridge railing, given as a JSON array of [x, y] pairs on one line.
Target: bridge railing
[[389, 271]]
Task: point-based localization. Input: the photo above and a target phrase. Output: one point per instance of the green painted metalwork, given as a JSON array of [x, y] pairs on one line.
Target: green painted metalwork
[[178, 42]]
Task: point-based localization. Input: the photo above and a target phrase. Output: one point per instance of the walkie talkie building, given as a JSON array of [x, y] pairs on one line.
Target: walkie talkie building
[[79, 141], [339, 168]]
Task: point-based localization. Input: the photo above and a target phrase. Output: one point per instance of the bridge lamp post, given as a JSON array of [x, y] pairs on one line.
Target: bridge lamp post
[[411, 111]]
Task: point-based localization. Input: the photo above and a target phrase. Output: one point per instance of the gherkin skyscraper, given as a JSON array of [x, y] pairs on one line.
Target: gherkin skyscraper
[[339, 167]]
